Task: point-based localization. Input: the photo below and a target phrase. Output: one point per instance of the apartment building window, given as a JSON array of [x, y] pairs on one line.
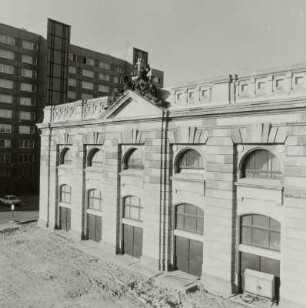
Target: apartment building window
[[5, 143], [26, 129], [25, 115], [7, 84], [5, 128], [86, 96], [87, 73], [72, 82], [28, 73], [27, 87], [5, 113], [73, 57], [26, 144], [119, 69], [8, 99], [29, 45], [116, 79], [25, 158], [87, 85], [261, 86], [5, 158], [104, 77], [103, 88], [6, 69], [104, 65], [88, 61], [71, 94], [204, 93], [9, 40], [6, 54], [72, 70], [28, 59], [27, 101]]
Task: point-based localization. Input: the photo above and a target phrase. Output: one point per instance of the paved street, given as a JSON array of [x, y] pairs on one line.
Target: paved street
[[27, 210]]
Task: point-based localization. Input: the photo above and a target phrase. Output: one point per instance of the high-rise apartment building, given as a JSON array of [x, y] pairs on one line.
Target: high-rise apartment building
[[35, 72]]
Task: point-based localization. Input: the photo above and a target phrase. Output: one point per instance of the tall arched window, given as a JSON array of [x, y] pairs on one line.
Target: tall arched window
[[95, 199], [260, 231], [132, 208], [65, 193], [190, 161], [65, 157], [95, 158], [261, 164], [189, 218], [134, 159]]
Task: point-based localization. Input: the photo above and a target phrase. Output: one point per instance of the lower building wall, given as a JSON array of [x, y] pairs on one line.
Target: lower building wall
[[221, 193]]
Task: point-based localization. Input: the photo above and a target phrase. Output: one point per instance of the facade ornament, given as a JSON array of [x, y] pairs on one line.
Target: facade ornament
[[140, 81]]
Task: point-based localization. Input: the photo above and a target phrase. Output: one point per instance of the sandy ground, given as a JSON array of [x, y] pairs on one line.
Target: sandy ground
[[39, 268]]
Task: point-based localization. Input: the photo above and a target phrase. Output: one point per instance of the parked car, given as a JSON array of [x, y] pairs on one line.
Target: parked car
[[9, 200]]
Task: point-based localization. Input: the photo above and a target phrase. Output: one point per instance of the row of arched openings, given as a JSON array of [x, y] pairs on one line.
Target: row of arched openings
[[258, 164]]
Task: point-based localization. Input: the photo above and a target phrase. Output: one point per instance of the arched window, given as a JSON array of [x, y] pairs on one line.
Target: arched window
[[65, 193], [95, 199], [190, 161], [95, 158], [65, 157], [134, 159], [261, 164], [260, 231], [132, 208], [189, 218]]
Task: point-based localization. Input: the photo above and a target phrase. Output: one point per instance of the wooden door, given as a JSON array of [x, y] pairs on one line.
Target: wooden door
[[65, 218], [94, 227], [132, 240], [189, 255]]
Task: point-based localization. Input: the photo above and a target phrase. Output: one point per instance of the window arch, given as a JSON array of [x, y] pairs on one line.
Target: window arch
[[260, 231], [132, 208], [190, 161], [66, 157], [261, 164], [95, 158], [134, 159], [95, 199], [189, 218], [65, 193]]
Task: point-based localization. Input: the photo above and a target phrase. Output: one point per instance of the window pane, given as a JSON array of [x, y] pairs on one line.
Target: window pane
[[180, 208], [247, 220], [249, 261], [134, 212], [190, 223], [180, 221], [246, 237], [274, 225], [275, 241], [200, 225], [261, 221], [270, 266], [260, 238], [190, 209]]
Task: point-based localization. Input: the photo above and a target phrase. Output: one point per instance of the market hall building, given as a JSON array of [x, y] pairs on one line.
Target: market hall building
[[214, 185]]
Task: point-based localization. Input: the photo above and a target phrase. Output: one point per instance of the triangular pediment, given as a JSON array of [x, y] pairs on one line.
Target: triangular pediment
[[132, 106]]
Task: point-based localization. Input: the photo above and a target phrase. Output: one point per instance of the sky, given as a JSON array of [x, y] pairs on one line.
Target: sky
[[188, 39]]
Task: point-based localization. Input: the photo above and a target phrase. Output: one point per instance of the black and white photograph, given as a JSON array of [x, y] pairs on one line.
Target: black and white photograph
[[153, 153]]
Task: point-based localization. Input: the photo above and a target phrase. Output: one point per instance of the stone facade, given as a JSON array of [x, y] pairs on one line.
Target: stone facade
[[224, 121]]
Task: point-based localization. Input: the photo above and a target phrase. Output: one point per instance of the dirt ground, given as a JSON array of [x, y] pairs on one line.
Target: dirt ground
[[39, 268]]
